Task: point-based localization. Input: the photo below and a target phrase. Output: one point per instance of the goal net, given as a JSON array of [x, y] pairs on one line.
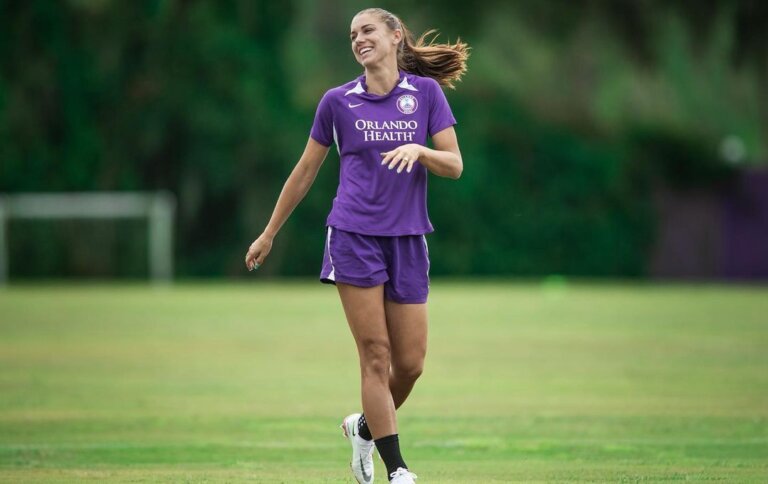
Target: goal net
[[158, 208]]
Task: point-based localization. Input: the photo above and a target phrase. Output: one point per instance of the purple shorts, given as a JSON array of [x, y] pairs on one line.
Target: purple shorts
[[401, 263]]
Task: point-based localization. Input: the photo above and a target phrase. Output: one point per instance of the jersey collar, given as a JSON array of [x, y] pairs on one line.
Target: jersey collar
[[361, 88]]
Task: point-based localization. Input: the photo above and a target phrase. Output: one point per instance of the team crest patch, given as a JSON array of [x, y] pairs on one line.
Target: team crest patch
[[407, 104]]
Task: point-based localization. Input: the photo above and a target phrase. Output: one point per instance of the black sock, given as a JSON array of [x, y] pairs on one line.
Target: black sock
[[362, 428], [389, 450]]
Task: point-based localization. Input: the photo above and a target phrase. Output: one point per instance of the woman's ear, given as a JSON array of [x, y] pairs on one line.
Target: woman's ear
[[398, 36]]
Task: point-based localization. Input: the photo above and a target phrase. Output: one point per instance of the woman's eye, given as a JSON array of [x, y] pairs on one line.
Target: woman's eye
[[365, 31]]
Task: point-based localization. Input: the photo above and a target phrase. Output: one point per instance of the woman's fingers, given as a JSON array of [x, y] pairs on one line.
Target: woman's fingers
[[249, 259], [406, 163], [257, 252], [253, 264], [395, 160], [403, 164], [259, 260], [252, 257], [399, 159]]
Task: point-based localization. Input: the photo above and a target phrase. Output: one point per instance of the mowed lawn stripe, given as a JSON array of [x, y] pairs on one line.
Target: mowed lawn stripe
[[248, 382]]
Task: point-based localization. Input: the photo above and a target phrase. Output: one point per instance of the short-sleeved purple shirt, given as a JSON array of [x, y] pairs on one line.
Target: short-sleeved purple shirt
[[371, 199]]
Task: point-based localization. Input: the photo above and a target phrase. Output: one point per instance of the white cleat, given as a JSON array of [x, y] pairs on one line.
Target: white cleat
[[402, 476], [362, 450]]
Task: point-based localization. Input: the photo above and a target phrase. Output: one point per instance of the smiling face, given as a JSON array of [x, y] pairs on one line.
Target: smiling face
[[373, 41]]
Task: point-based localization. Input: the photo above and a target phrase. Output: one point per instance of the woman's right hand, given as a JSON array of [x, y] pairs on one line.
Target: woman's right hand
[[295, 188], [258, 251]]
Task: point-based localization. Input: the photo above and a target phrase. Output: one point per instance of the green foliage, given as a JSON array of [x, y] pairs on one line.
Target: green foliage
[[677, 160], [549, 200]]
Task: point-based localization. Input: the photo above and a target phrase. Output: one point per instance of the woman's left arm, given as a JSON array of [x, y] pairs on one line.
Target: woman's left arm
[[444, 160]]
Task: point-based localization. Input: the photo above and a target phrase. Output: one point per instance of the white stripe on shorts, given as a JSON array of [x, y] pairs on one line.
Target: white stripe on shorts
[[426, 246], [331, 276]]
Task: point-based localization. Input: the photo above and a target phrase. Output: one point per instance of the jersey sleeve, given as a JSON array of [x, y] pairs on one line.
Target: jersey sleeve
[[440, 115], [322, 127]]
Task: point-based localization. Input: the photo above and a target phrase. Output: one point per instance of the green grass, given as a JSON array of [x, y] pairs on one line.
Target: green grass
[[248, 382]]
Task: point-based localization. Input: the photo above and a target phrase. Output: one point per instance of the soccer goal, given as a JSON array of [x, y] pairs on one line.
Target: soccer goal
[[158, 208]]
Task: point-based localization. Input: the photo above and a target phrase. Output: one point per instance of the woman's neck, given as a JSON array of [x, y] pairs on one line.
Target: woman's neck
[[381, 79]]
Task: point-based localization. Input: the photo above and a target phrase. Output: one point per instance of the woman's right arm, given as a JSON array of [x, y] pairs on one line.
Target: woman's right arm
[[294, 190]]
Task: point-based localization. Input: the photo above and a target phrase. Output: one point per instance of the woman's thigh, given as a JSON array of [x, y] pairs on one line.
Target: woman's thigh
[[407, 330], [364, 309]]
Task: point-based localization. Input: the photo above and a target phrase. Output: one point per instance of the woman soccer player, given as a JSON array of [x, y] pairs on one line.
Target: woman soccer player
[[375, 250]]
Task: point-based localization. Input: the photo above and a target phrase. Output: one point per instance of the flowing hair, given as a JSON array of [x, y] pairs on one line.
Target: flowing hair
[[445, 63]]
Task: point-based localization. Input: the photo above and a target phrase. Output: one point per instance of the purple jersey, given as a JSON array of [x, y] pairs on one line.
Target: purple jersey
[[371, 199]]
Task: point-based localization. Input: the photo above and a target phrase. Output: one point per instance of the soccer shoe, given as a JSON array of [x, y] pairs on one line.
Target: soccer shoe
[[402, 476], [362, 450]]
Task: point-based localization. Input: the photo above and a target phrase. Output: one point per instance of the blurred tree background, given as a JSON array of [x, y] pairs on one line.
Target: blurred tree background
[[572, 114]]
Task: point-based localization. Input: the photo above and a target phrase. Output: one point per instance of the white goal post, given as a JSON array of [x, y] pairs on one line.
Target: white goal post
[[159, 208]]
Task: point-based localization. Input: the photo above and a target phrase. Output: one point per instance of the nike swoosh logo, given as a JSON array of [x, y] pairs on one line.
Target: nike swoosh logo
[[354, 427], [366, 477], [354, 105]]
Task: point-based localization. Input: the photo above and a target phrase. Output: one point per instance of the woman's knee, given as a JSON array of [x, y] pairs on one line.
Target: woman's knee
[[408, 369], [375, 358]]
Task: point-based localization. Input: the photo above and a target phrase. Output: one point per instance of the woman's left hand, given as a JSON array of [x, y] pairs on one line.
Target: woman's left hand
[[402, 157]]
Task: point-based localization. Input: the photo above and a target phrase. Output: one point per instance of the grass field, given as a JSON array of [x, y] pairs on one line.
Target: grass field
[[248, 382]]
